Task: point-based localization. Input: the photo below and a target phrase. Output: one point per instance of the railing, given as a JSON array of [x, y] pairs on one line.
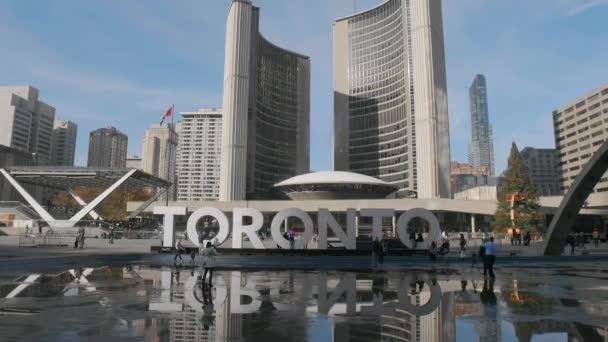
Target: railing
[[27, 240]]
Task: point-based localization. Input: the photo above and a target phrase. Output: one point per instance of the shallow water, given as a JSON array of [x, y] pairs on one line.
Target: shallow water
[[545, 303]]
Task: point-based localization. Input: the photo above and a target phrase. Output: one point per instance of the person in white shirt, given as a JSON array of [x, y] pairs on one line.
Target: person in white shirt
[[178, 251]]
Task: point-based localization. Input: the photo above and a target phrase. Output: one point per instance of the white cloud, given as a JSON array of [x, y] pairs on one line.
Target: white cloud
[[574, 7]]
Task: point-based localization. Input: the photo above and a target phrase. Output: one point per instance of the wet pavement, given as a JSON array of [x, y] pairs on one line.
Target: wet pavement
[[136, 302]]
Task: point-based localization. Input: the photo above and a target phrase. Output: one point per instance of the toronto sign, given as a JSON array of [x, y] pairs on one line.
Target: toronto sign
[[325, 221]]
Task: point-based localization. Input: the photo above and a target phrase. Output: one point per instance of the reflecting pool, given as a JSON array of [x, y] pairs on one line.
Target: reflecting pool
[[563, 302]]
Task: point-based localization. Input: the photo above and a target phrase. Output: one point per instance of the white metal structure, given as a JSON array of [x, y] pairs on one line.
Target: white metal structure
[[67, 179]]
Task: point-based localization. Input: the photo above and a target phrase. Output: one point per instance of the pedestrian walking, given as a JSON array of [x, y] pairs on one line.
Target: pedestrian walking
[[381, 252], [511, 234], [571, 241], [178, 251], [375, 251], [111, 234], [81, 237], [518, 234], [419, 239], [433, 251], [596, 237], [209, 254], [193, 253], [527, 238], [292, 238], [413, 239], [463, 246], [39, 229], [489, 258], [581, 239]]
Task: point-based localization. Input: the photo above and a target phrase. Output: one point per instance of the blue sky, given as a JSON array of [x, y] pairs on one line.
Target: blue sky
[[122, 63]]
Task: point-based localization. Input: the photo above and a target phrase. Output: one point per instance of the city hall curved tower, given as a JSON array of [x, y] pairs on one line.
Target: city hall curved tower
[[390, 97], [266, 113]]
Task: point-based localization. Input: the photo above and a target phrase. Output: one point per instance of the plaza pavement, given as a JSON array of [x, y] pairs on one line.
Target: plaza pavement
[[98, 252]]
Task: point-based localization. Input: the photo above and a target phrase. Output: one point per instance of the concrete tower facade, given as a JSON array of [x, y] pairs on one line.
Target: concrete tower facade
[[266, 112], [236, 99], [63, 146], [580, 129], [159, 153], [390, 99], [27, 122], [107, 148]]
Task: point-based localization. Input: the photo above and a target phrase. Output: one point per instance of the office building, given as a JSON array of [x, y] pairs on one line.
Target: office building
[[159, 153], [466, 176], [134, 162], [63, 144], [27, 122], [200, 151], [107, 148], [481, 149], [543, 169], [265, 135], [390, 97], [579, 131]]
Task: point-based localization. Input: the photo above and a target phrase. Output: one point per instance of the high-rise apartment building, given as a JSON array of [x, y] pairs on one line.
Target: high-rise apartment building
[[580, 129], [107, 148], [390, 97], [63, 144], [27, 123], [159, 153], [266, 109], [200, 151], [481, 149], [543, 169]]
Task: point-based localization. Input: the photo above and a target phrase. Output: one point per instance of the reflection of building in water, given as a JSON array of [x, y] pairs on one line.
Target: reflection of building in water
[[396, 324], [488, 325], [228, 326]]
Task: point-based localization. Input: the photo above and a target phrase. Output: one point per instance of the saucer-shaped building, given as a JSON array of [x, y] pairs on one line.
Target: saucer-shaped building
[[332, 185]]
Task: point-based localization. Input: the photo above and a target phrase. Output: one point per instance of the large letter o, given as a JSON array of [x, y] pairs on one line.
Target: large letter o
[[275, 227], [222, 220], [428, 216]]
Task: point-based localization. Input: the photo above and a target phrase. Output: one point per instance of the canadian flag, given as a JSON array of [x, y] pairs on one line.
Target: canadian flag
[[168, 114]]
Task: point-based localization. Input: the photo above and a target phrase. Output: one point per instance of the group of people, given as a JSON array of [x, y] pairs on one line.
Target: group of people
[[208, 251], [516, 237], [578, 240]]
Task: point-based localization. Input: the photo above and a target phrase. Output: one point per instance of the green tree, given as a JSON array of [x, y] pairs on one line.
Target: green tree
[[518, 194]]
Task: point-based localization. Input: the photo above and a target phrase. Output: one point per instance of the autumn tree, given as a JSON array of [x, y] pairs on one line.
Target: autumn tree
[[113, 208]]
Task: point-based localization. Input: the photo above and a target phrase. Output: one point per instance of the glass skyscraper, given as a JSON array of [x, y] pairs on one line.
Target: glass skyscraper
[[481, 149]]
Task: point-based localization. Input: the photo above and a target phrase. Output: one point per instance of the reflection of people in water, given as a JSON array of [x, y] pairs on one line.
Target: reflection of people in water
[[487, 295], [207, 318]]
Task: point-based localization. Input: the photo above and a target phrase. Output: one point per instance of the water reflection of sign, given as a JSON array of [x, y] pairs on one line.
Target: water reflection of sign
[[325, 221], [243, 295]]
